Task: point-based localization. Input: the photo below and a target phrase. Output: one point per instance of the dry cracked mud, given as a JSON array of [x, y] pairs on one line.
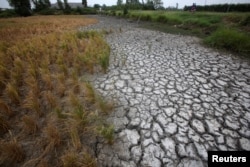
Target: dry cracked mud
[[176, 99]]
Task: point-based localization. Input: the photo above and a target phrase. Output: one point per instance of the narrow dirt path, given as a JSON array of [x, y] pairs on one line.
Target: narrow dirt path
[[176, 98]]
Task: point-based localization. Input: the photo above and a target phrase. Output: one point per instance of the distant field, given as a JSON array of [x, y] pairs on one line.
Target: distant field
[[20, 28], [49, 114], [229, 31]]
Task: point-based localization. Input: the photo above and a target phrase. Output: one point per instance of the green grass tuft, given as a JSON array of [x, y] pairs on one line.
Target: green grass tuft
[[229, 39], [86, 34], [107, 132]]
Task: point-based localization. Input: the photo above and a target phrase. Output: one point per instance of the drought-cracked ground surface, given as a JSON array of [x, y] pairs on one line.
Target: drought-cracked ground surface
[[175, 98]]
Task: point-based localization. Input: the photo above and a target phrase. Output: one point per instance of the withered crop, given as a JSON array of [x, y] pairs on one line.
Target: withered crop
[[48, 114]]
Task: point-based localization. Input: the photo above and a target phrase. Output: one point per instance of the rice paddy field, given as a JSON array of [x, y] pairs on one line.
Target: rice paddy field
[[49, 114]]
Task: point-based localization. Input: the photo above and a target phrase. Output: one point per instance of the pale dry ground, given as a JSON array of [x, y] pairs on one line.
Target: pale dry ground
[[177, 99]]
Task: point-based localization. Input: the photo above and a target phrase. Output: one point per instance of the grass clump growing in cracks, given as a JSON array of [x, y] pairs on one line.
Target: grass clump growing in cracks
[[53, 115], [107, 131]]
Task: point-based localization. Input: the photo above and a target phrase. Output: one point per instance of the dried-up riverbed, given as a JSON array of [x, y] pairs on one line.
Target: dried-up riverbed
[[176, 98]]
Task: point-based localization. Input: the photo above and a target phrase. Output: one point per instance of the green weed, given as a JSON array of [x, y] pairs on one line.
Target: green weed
[[86, 34], [229, 39], [107, 132], [104, 61], [60, 113]]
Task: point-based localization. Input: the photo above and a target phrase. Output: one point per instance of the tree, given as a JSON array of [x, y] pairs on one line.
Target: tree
[[67, 7], [119, 2], [158, 4], [41, 4], [97, 6], [155, 4], [85, 3], [149, 5], [22, 7], [60, 4], [104, 6], [132, 2], [47, 2]]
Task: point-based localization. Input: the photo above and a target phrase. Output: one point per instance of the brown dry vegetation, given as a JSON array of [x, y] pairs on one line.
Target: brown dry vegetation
[[48, 116], [13, 29]]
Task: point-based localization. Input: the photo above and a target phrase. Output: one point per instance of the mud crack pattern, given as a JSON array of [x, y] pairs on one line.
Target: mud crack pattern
[[176, 98]]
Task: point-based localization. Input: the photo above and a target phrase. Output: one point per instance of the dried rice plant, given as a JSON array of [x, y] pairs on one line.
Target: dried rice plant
[[11, 152], [30, 124]]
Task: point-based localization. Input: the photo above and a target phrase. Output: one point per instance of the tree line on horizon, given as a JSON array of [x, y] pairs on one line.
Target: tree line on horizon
[[222, 8], [24, 7]]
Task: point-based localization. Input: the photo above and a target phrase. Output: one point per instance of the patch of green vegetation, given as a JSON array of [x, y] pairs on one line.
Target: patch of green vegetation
[[229, 39], [229, 31], [107, 132], [169, 19], [166, 28], [86, 34], [8, 13], [245, 21]]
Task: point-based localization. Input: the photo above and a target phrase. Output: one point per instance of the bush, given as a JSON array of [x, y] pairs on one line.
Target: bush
[[83, 11], [197, 22], [133, 15], [119, 13], [125, 11], [146, 17], [113, 12], [162, 19], [47, 12], [222, 8], [245, 21], [230, 40], [8, 13], [174, 20]]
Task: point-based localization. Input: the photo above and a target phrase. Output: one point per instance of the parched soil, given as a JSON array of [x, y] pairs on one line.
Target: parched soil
[[176, 98]]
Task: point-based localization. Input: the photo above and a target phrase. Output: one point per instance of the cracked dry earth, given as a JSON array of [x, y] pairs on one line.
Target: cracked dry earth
[[175, 98]]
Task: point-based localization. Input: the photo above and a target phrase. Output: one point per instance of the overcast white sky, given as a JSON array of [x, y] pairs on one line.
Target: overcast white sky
[[166, 3]]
